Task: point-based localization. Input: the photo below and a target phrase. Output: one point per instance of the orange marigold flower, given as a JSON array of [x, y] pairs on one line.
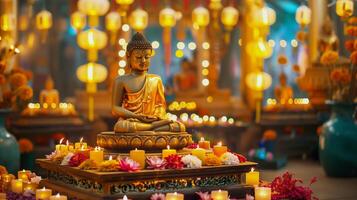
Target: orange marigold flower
[[352, 20], [212, 160], [282, 59], [353, 57], [3, 170], [2, 79], [17, 80], [336, 75], [296, 68], [301, 36], [345, 76], [269, 135], [349, 45], [329, 57], [349, 30], [25, 92], [354, 31], [25, 145]]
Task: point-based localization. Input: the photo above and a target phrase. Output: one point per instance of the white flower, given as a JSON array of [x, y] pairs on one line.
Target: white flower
[[229, 159], [52, 155], [66, 159], [36, 179], [192, 161]]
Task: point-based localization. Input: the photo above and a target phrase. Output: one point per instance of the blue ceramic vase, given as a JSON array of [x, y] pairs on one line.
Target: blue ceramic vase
[[9, 148], [338, 142]]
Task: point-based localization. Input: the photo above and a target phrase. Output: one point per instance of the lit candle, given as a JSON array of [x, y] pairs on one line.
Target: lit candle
[[43, 194], [29, 186], [16, 185], [60, 147], [58, 197], [252, 177], [68, 147], [199, 153], [168, 151], [124, 198], [80, 144], [262, 193], [174, 196], [219, 195], [219, 150], [7, 178], [97, 155], [204, 143], [24, 175], [138, 156]]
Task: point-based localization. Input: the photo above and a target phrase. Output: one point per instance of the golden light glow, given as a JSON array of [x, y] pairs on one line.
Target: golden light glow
[[229, 17], [205, 63], [122, 63], [294, 43], [303, 15], [258, 81], [92, 39], [259, 48], [180, 45], [7, 22], [240, 42], [92, 73], [205, 82], [167, 17], [200, 16], [112, 21], [121, 72], [264, 16], [124, 2], [155, 44], [205, 45], [121, 53], [271, 43], [283, 43], [78, 20], [344, 8], [179, 53], [125, 27], [44, 20], [192, 46], [205, 72], [139, 19], [93, 7]]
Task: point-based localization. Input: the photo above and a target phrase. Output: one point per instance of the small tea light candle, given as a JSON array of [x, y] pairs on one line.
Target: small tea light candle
[[69, 147], [262, 193], [16, 185], [219, 195], [252, 177], [97, 155], [23, 175], [29, 186], [219, 150], [199, 153], [138, 156], [43, 194], [174, 196], [168, 151], [58, 197], [60, 146], [204, 143], [80, 144], [6, 178]]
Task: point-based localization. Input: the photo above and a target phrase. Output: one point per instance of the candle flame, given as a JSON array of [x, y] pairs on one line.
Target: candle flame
[[110, 158], [81, 140], [136, 149], [58, 195], [61, 141], [219, 190], [198, 146], [168, 146], [82, 148], [219, 144], [252, 169], [202, 139], [175, 193], [23, 170], [125, 197], [67, 143], [44, 188]]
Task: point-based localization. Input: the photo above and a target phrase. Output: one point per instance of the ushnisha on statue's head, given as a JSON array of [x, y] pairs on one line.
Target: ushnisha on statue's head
[[138, 52]]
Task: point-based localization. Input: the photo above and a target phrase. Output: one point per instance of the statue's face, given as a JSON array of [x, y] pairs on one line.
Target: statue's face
[[49, 85], [140, 59]]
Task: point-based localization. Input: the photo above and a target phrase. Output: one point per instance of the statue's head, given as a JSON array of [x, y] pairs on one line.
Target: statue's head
[[49, 85], [138, 52], [283, 79]]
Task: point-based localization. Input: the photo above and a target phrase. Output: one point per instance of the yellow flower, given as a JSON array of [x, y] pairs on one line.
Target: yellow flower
[[329, 57], [212, 160], [25, 93]]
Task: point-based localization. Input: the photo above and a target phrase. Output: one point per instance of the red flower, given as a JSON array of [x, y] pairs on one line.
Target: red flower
[[192, 146], [353, 57], [174, 162], [349, 45], [241, 158], [77, 159]]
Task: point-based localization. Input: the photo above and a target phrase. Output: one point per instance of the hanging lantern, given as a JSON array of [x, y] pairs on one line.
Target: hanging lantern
[[7, 22], [78, 20], [229, 17], [200, 16], [44, 20], [93, 8], [139, 19], [258, 81], [112, 21], [259, 48], [23, 22], [303, 15], [264, 16], [167, 17], [92, 40], [344, 8], [124, 2]]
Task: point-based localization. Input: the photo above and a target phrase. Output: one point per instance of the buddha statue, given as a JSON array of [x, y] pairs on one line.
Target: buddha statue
[[49, 95], [138, 102], [186, 80], [328, 38], [283, 92]]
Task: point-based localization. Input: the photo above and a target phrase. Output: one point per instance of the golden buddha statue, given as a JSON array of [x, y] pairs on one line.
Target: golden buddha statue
[[49, 95], [138, 101], [328, 38], [283, 92]]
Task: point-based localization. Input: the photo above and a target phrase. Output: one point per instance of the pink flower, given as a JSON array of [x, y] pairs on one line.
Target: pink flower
[[155, 162], [157, 196], [204, 195], [128, 165]]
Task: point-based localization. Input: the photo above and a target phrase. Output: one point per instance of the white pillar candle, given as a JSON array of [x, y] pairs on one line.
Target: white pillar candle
[[262, 193], [58, 197]]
